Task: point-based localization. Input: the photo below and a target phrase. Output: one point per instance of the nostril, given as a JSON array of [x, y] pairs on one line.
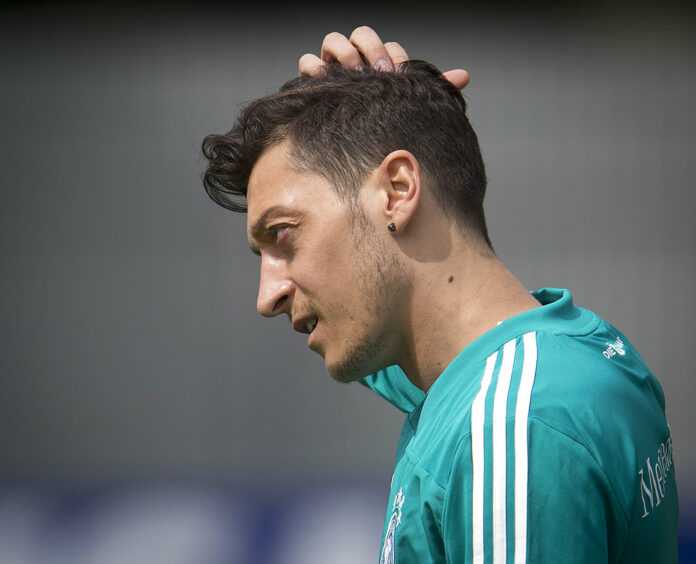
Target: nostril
[[280, 303]]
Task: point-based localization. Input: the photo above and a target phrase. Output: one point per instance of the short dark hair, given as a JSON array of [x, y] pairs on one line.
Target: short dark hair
[[342, 124]]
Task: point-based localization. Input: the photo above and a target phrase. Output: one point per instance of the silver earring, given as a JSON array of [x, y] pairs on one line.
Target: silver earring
[[391, 227]]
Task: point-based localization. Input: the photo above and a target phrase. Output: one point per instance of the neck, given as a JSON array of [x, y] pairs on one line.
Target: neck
[[455, 301]]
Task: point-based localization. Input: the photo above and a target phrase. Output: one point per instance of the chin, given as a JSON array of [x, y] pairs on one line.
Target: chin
[[362, 357], [344, 374], [350, 368]]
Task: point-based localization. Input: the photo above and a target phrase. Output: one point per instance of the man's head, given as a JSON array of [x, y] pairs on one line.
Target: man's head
[[320, 167], [342, 124]]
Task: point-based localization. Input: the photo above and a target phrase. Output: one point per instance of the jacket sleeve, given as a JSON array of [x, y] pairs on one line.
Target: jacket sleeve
[[552, 503]]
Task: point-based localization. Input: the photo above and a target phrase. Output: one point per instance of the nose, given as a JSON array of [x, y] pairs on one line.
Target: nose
[[276, 289]]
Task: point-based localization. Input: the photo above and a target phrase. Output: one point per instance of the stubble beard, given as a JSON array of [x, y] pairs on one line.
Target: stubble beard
[[380, 279]]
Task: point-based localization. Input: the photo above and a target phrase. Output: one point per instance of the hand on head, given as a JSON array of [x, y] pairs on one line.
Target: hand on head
[[365, 47]]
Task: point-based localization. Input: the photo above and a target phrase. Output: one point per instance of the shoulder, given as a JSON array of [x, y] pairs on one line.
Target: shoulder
[[594, 387], [591, 388]]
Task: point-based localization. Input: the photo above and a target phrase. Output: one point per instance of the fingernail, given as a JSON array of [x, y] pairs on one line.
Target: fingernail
[[384, 65]]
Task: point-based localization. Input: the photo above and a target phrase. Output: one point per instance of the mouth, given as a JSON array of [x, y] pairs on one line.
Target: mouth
[[305, 324], [312, 339]]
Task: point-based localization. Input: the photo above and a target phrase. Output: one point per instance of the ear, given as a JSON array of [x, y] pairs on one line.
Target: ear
[[398, 187]]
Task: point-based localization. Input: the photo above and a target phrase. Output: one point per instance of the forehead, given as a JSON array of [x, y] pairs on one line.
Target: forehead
[[275, 183]]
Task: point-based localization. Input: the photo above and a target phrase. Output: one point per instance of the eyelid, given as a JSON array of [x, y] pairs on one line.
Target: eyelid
[[276, 232], [278, 229]]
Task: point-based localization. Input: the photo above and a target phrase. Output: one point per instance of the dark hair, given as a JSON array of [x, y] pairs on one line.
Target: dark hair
[[343, 123]]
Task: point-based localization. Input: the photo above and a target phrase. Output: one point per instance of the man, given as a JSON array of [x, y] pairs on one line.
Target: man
[[534, 431]]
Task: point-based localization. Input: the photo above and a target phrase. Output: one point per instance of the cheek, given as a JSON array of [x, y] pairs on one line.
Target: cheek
[[332, 281], [331, 262]]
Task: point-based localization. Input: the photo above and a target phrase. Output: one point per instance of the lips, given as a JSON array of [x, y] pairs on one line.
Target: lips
[[304, 324], [312, 342]]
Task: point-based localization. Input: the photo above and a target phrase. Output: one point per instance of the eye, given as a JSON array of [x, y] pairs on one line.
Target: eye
[[278, 231], [284, 235]]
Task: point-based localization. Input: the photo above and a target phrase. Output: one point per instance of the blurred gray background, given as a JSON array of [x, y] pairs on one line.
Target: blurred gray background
[[130, 348]]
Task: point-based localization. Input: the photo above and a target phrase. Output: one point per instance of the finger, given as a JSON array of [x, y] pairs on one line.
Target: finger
[[396, 52], [370, 45], [460, 78], [336, 48], [310, 65]]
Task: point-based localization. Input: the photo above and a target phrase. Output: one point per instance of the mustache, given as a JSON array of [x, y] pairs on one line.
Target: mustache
[[303, 311]]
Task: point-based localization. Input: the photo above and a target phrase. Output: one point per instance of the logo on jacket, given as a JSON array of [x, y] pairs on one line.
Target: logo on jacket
[[617, 347], [389, 538]]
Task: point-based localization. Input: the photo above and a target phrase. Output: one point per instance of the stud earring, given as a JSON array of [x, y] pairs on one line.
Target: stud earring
[[391, 227]]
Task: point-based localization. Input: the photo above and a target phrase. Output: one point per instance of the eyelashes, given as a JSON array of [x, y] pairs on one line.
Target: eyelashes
[[278, 231], [284, 236]]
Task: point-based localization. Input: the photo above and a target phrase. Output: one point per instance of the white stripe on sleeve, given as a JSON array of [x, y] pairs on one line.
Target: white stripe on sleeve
[[524, 395], [500, 453], [478, 415]]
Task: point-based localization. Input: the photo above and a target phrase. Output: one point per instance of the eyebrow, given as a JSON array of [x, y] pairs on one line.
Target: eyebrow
[[259, 231]]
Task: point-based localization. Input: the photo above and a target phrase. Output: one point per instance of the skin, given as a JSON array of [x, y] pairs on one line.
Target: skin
[[413, 297], [365, 45], [322, 262]]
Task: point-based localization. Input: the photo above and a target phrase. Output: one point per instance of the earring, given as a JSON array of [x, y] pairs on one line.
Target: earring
[[391, 227]]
